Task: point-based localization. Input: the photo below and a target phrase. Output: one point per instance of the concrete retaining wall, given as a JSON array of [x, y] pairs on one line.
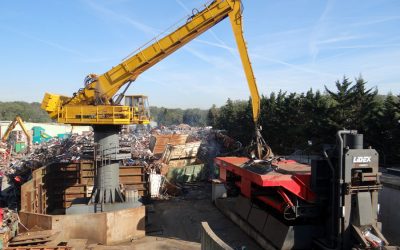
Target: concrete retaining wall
[[210, 241], [389, 200]]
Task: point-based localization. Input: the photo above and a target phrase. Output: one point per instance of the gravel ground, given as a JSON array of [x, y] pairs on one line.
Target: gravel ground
[[175, 224]]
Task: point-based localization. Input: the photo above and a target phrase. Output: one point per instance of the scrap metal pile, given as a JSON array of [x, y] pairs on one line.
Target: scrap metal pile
[[140, 146], [9, 225], [55, 150], [206, 144], [69, 150], [175, 156], [167, 151], [4, 153], [16, 169], [179, 145]]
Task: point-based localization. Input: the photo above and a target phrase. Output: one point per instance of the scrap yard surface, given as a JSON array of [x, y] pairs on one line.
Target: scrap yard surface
[[102, 168]]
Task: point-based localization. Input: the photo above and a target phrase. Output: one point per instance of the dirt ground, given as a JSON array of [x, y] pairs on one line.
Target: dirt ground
[[175, 224]]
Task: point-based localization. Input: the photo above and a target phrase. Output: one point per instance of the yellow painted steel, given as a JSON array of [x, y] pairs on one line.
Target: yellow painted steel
[[237, 27], [12, 125], [52, 103], [100, 114], [99, 90]]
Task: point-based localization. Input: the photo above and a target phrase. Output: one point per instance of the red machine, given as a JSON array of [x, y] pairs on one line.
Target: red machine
[[330, 204], [283, 185]]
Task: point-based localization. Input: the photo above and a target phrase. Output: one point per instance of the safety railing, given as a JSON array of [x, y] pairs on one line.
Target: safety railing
[[100, 115]]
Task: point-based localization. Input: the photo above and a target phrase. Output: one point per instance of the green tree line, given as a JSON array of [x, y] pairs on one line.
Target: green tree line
[[166, 116], [293, 121], [30, 112]]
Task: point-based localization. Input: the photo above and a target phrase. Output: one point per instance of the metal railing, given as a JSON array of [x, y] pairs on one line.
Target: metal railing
[[103, 114]]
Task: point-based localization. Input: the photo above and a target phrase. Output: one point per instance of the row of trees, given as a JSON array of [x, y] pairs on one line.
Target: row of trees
[[29, 112], [165, 116], [293, 121]]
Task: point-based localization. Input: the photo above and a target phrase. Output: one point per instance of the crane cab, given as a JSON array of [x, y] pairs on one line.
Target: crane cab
[[140, 106]]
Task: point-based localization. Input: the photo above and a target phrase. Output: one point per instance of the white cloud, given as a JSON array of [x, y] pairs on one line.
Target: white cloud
[[50, 43], [319, 26], [108, 13]]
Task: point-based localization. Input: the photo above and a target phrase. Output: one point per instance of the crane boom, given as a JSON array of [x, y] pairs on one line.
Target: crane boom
[[12, 125], [236, 22]]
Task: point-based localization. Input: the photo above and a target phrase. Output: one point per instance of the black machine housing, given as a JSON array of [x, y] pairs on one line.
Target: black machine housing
[[347, 184]]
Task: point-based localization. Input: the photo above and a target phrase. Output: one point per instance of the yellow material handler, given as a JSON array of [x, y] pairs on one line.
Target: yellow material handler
[[98, 103]]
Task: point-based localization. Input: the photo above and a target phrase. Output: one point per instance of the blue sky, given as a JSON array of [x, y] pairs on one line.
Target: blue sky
[[51, 45]]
